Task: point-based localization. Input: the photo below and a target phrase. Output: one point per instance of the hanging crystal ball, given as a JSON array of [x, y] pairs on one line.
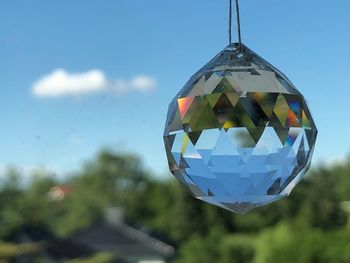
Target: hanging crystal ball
[[239, 135]]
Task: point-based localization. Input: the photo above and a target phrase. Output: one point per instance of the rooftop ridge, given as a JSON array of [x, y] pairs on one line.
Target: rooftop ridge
[[146, 239]]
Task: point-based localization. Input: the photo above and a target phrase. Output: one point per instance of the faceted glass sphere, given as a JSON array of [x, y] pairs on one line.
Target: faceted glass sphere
[[239, 134]]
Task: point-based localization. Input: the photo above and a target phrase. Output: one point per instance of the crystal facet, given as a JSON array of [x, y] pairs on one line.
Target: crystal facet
[[239, 135]]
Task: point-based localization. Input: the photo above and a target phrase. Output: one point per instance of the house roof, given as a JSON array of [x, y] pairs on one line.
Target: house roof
[[53, 248], [60, 249], [59, 192], [123, 240]]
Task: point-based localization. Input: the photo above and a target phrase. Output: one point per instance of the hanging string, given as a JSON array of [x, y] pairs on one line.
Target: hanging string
[[238, 23], [230, 24]]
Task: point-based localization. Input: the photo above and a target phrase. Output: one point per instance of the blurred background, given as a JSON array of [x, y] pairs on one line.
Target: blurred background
[[85, 89]]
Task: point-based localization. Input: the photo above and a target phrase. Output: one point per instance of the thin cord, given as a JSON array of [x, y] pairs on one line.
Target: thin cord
[[238, 23], [230, 24]]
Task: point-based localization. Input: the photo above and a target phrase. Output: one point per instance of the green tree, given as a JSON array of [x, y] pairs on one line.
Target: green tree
[[11, 195], [111, 179]]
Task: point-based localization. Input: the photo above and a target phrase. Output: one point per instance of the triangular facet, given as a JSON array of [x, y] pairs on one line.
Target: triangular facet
[[199, 88], [265, 100], [292, 120], [213, 99], [305, 120], [204, 118], [184, 104], [223, 87], [194, 136], [256, 133], [281, 109]]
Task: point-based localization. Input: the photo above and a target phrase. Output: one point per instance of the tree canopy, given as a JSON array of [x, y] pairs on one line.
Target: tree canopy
[[309, 226]]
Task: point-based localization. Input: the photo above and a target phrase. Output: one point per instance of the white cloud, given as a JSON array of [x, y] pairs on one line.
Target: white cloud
[[143, 83], [61, 83], [139, 83]]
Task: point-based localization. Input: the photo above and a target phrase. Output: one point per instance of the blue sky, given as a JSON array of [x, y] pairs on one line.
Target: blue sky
[[165, 41]]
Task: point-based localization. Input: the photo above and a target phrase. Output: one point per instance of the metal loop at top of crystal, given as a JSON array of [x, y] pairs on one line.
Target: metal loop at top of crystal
[[239, 135]]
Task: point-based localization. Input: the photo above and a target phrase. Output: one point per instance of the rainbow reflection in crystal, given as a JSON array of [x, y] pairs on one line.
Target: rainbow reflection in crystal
[[239, 135]]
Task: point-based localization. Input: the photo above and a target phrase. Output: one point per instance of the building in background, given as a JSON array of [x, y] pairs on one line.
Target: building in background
[[114, 236], [111, 238]]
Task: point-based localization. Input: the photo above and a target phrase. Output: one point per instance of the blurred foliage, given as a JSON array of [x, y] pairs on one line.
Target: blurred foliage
[[99, 258], [10, 251], [309, 226]]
